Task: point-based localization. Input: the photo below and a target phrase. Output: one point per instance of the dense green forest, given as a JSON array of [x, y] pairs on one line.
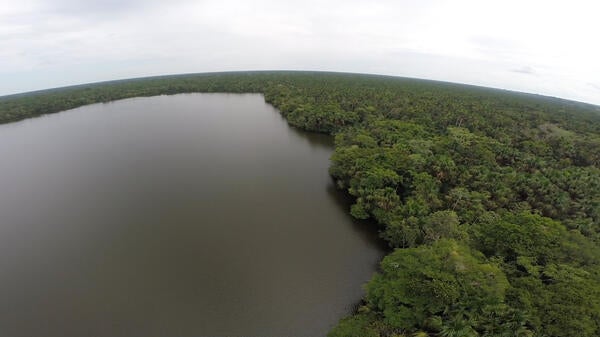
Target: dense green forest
[[489, 199]]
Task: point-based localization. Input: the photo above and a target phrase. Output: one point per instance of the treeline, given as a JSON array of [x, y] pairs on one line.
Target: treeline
[[18, 107], [489, 200]]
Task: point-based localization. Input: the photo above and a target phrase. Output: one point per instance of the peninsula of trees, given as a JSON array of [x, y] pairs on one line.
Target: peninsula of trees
[[488, 199]]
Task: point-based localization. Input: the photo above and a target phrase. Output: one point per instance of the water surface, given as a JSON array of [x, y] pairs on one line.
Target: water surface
[[186, 215]]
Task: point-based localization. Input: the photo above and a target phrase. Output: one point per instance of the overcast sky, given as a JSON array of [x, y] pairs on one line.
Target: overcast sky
[[547, 47]]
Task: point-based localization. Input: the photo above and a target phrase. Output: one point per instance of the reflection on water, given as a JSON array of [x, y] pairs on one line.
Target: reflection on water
[[186, 215]]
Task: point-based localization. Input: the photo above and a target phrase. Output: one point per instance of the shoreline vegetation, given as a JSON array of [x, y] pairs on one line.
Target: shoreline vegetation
[[488, 199]]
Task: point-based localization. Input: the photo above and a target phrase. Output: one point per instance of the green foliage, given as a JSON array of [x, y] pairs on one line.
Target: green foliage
[[356, 326], [490, 199], [553, 272], [444, 282]]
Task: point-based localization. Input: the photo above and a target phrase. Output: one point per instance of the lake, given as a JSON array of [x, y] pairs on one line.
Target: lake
[[185, 215]]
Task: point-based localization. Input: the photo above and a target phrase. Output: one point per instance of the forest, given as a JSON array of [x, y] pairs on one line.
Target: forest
[[488, 199]]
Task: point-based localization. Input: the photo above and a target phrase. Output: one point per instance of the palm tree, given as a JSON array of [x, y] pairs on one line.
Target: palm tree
[[458, 327]]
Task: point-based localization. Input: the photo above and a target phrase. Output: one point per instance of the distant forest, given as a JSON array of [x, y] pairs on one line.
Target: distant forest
[[489, 199]]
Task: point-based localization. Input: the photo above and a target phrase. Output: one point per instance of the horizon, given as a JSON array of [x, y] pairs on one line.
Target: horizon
[[141, 78]]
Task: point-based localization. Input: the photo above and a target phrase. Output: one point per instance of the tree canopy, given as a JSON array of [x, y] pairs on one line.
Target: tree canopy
[[488, 199]]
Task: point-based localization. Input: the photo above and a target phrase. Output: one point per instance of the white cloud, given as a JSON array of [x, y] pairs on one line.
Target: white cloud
[[492, 43]]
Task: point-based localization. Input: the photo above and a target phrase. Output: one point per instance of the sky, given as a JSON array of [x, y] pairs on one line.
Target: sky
[[544, 47]]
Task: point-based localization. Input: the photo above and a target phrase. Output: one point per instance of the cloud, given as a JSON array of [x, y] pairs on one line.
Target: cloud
[[47, 43], [527, 70], [101, 8]]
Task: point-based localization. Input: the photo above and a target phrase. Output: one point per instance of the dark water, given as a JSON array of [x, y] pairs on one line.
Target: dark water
[[187, 215]]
